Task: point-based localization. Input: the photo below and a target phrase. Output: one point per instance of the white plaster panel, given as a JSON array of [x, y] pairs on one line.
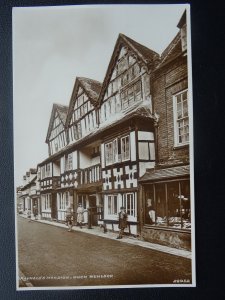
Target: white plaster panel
[[107, 176], [145, 135], [133, 146], [131, 173], [118, 180], [74, 160], [145, 165], [103, 155]]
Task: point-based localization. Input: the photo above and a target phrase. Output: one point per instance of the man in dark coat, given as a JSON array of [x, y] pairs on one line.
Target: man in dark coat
[[122, 222]]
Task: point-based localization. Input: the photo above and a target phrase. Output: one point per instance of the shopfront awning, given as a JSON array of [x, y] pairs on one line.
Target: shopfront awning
[[165, 173]]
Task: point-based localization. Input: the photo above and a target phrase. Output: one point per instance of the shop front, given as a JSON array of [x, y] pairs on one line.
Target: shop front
[[166, 207]]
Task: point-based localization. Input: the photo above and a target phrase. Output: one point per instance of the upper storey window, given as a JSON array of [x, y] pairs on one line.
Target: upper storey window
[[46, 171], [118, 150], [69, 162], [181, 118], [131, 95]]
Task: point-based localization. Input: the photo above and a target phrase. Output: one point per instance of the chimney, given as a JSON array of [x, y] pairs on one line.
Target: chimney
[[182, 25]]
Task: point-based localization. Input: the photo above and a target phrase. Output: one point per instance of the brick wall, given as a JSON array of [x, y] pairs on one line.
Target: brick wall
[[168, 81]]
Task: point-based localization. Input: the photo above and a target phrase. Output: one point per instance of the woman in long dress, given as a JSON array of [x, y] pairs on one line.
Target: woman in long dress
[[80, 215]]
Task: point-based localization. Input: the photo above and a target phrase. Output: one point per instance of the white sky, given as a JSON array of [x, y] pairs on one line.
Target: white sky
[[54, 45]]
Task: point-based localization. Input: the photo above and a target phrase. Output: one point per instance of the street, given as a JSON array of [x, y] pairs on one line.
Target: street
[[51, 256]]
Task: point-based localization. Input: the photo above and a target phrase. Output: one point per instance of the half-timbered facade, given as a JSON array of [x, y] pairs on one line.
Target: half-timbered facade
[[125, 142], [127, 122], [29, 193], [56, 136]]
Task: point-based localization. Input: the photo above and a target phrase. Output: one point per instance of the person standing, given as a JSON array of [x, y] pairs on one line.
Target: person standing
[[35, 211], [69, 218], [29, 214], [80, 215], [122, 222]]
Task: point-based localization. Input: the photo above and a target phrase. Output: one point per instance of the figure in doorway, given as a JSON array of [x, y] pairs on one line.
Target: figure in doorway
[[35, 211], [69, 218], [80, 215], [122, 221], [151, 212]]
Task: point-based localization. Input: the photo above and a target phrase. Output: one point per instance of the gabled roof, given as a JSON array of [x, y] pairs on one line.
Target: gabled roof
[[141, 109], [62, 111], [91, 87], [144, 55], [29, 183], [173, 50]]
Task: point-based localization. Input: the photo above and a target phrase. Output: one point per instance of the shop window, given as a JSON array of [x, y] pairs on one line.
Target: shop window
[[150, 215], [169, 204], [181, 118], [112, 204]]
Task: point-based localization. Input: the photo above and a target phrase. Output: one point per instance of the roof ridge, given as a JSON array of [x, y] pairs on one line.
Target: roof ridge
[[170, 47], [134, 43]]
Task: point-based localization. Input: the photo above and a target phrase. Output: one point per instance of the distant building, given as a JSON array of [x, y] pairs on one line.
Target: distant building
[[29, 193]]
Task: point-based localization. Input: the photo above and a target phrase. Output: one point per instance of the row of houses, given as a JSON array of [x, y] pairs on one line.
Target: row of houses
[[123, 142]]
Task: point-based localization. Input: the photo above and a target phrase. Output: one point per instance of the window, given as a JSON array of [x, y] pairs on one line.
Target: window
[[64, 201], [168, 204], [77, 131], [125, 148], [146, 150], [111, 152], [48, 168], [181, 118], [56, 146], [69, 162], [46, 202], [131, 95], [112, 204], [129, 204]]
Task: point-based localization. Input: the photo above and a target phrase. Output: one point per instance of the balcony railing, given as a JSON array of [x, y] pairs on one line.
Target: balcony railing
[[91, 174]]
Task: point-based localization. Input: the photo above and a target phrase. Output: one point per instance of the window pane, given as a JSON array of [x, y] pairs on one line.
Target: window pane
[[185, 204], [115, 204], [160, 203], [174, 217], [143, 150], [149, 217]]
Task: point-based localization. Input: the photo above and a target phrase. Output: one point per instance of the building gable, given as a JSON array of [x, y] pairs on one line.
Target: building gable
[[82, 117], [56, 136], [127, 79]]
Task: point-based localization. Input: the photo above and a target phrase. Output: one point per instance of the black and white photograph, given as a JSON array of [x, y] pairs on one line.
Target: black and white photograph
[[103, 147]]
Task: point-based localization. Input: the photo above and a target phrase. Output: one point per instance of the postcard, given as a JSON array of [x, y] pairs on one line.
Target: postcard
[[103, 147]]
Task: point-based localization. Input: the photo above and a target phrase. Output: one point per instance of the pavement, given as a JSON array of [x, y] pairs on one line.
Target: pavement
[[98, 231]]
